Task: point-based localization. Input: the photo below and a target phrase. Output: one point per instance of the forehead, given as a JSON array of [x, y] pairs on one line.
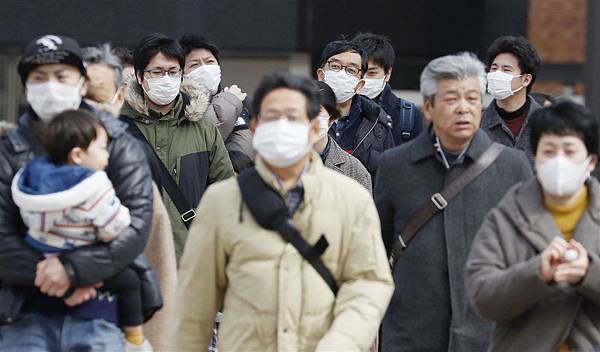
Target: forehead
[[347, 58], [198, 54], [466, 85], [373, 64], [160, 60], [283, 99], [55, 68], [100, 73], [506, 59], [556, 140]]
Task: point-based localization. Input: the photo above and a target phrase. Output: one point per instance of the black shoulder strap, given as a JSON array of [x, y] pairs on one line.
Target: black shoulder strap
[[439, 201], [186, 212], [270, 211], [407, 120]]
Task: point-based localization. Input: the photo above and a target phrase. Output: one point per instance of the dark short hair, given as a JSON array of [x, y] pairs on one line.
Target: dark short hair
[[151, 45], [378, 48], [522, 49], [125, 54], [565, 118], [191, 42], [240, 161], [342, 46], [68, 130], [327, 97], [306, 86]]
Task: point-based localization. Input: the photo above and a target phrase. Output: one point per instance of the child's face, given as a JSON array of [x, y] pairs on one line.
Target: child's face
[[95, 157]]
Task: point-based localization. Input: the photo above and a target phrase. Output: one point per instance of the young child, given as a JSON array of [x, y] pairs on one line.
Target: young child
[[66, 201]]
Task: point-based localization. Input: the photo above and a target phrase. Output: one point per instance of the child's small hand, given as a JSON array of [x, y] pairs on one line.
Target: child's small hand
[[80, 295]]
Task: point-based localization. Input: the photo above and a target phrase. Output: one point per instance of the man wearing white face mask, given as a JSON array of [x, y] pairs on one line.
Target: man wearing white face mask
[[407, 119], [513, 63], [53, 73], [186, 152], [105, 72], [273, 299], [535, 263], [364, 129], [228, 108], [332, 154]]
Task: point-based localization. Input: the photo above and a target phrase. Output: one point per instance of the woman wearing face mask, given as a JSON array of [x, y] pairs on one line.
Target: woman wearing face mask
[[333, 156], [534, 268]]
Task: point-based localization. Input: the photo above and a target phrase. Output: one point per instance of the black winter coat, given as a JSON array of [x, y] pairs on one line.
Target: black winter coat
[[128, 171]]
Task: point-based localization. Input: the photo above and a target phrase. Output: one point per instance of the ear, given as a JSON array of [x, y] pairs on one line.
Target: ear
[[388, 75], [140, 78], [427, 109], [320, 74], [253, 123], [76, 156], [593, 162], [120, 96], [359, 86], [527, 78], [313, 132], [84, 87]]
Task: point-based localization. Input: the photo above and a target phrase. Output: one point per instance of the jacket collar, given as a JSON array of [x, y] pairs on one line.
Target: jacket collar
[[539, 223], [336, 155], [310, 178], [422, 147], [493, 119], [388, 100], [195, 101]]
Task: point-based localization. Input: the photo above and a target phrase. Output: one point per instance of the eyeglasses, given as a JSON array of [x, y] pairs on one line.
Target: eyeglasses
[[336, 67], [159, 72]]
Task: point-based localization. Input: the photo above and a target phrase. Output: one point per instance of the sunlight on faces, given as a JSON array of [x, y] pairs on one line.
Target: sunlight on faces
[[455, 111], [158, 61], [95, 157], [346, 59], [102, 87]]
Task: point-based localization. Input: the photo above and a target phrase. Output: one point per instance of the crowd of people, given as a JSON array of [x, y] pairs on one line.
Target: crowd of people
[[145, 205]]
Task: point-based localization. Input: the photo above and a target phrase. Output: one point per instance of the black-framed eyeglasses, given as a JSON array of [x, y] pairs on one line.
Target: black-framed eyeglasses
[[336, 67], [159, 72]]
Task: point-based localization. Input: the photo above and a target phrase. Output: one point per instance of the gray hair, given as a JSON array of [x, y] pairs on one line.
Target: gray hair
[[460, 66], [104, 55]]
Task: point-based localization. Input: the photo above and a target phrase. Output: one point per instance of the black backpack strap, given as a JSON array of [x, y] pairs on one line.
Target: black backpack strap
[[270, 211], [407, 120], [186, 212]]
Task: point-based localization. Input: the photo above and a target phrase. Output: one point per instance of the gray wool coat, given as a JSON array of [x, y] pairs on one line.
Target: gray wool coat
[[504, 286], [348, 165], [429, 309], [498, 131]]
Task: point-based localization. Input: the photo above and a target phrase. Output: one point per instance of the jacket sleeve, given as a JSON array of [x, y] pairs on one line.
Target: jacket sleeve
[[366, 286], [590, 286], [18, 261], [496, 290], [203, 257], [130, 175], [241, 140], [224, 110], [220, 166], [383, 203]]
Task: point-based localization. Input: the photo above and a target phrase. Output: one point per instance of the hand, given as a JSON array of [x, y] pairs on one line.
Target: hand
[[573, 272], [51, 277], [235, 90], [551, 257], [80, 295]]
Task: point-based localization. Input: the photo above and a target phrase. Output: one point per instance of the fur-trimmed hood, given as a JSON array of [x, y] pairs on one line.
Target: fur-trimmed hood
[[195, 99]]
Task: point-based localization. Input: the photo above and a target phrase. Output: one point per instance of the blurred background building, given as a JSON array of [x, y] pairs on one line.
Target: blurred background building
[[259, 36]]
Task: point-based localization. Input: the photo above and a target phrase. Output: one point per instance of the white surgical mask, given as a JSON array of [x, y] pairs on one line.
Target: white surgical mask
[[281, 143], [500, 84], [163, 90], [51, 98], [208, 76], [342, 84], [323, 123], [560, 176], [373, 87]]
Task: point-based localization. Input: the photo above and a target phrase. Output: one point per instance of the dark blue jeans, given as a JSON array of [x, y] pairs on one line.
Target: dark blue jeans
[[34, 332]]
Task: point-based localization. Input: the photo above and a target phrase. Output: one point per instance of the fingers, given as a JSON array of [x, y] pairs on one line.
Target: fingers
[[578, 247]]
